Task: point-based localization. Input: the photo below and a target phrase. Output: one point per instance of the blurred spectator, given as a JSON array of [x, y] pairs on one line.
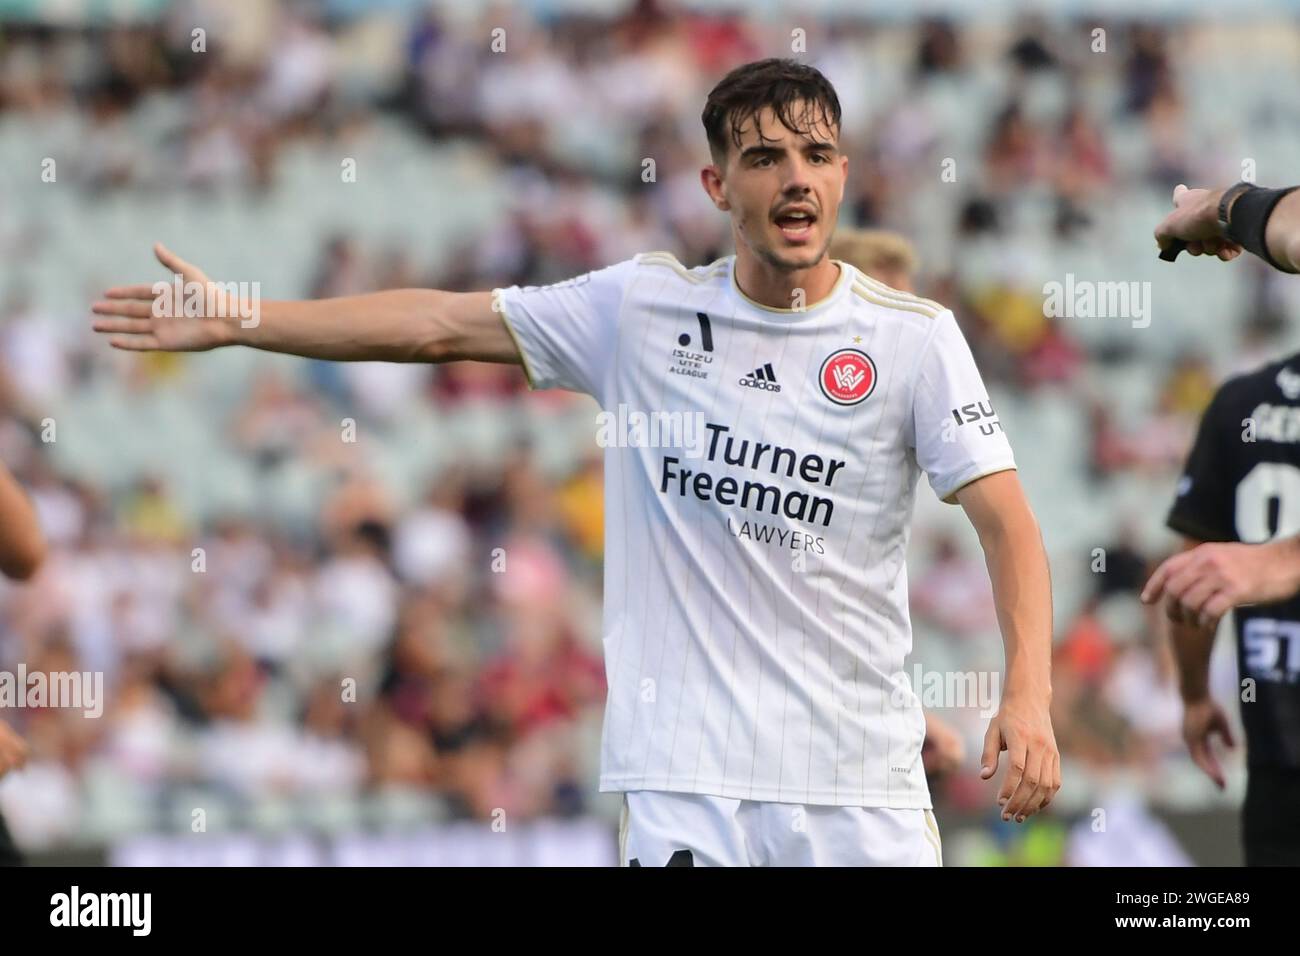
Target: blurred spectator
[[953, 592]]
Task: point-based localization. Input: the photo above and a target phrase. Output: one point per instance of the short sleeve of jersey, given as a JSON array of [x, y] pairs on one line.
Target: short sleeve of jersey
[[1203, 508], [957, 434], [565, 332]]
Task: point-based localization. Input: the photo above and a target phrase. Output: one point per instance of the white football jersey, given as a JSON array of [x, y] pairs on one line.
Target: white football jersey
[[760, 469]]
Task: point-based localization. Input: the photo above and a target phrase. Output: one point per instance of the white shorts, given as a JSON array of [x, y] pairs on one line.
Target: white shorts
[[660, 828]]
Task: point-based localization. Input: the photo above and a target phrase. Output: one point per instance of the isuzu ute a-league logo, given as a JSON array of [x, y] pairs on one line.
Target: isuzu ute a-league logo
[[690, 361], [847, 376]]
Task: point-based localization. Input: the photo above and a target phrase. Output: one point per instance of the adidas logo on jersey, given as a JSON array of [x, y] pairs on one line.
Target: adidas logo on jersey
[[762, 377]]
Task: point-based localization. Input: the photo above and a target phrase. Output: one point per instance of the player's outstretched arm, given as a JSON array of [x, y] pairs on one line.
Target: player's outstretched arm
[[1265, 222], [1192, 640], [1017, 563], [400, 325], [1204, 582]]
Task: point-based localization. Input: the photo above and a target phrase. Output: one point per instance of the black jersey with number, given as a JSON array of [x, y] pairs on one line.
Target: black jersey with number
[[1242, 483]]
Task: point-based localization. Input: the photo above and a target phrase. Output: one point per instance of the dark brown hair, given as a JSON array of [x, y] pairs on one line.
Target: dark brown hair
[[777, 83]]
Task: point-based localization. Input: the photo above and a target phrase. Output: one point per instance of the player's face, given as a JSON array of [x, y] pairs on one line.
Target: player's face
[[783, 189]]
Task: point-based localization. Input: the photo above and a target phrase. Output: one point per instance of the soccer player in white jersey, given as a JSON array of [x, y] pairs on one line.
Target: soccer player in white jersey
[[756, 622]]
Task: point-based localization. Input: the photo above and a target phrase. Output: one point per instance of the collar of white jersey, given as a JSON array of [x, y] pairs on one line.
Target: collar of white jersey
[[838, 291]]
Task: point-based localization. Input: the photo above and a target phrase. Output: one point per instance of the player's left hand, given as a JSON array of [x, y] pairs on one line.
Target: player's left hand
[[13, 750], [1023, 728], [1204, 583], [1203, 720]]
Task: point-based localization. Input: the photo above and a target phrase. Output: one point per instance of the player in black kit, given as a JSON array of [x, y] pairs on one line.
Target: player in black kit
[[1242, 483]]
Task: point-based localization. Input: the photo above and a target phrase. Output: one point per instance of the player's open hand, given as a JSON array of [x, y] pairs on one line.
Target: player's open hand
[[1195, 221], [147, 318], [13, 750], [1202, 584], [1202, 720], [1023, 728]]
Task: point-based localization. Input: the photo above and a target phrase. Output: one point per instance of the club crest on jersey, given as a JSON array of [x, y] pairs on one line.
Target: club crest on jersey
[[847, 376]]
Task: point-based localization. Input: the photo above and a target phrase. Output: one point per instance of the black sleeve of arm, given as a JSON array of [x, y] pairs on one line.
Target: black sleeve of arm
[[1205, 502]]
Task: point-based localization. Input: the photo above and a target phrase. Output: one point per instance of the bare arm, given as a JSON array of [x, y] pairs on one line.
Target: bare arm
[[1017, 563], [1192, 638], [1195, 220], [1205, 581], [22, 545], [399, 325], [22, 549]]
